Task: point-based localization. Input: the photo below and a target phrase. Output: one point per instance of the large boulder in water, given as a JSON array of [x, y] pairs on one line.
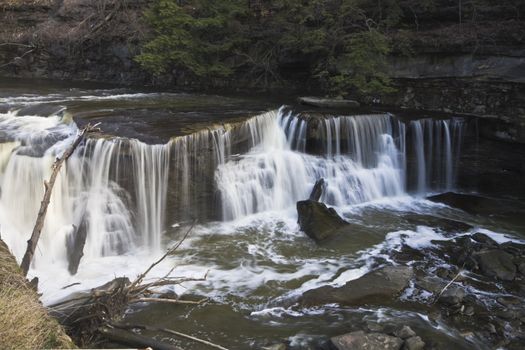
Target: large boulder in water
[[361, 341], [317, 220], [496, 263], [376, 287]]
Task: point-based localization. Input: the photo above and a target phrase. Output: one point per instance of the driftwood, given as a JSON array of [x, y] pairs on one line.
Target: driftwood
[[132, 339], [91, 317], [75, 243], [48, 188], [317, 191], [169, 331]]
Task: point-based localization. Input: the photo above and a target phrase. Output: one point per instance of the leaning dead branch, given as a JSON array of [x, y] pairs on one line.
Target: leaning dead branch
[[48, 188]]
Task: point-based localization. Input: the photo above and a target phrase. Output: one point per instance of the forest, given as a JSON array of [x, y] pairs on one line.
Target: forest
[[340, 45]]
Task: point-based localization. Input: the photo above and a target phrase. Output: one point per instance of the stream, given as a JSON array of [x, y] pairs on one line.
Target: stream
[[237, 165]]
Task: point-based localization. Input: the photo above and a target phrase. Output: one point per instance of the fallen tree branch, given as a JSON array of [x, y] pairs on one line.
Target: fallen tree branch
[[89, 316], [170, 251], [16, 44], [133, 339], [169, 331], [169, 301], [48, 188], [449, 284]]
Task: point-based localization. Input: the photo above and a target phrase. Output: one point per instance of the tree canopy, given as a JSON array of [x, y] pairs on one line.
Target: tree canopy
[[341, 45]]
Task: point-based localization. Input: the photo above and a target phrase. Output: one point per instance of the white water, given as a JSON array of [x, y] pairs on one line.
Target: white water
[[118, 190], [365, 159], [86, 194]]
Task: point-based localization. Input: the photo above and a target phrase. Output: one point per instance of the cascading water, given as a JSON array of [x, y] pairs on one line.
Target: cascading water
[[88, 194], [118, 190], [364, 159]]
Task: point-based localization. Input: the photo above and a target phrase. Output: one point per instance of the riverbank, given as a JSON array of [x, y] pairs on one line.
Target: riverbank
[[24, 322]]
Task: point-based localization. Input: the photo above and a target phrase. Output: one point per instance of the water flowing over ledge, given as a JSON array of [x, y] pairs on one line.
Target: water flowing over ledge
[[121, 190]]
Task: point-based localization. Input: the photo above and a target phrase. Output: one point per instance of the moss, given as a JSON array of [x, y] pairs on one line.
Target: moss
[[24, 322]]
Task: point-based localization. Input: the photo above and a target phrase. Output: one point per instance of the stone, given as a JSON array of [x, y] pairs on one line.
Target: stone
[[361, 341], [496, 263], [469, 310], [484, 239], [328, 102], [405, 332], [452, 296], [279, 346], [318, 221], [446, 225], [414, 343], [376, 287], [521, 268], [431, 284]]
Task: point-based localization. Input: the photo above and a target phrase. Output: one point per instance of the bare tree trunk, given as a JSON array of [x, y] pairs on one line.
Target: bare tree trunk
[[48, 186]]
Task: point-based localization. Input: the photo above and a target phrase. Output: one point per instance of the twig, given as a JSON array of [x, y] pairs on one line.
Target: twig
[[16, 44], [169, 331], [71, 285], [48, 188], [449, 284], [140, 278]]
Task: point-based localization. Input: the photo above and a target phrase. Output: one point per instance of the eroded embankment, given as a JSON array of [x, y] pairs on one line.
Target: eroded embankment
[[24, 322]]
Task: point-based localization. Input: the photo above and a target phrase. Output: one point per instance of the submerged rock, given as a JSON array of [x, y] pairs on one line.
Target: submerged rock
[[328, 102], [317, 220], [361, 341], [376, 287]]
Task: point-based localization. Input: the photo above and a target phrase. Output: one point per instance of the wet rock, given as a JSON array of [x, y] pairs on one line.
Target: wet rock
[[376, 287], [405, 332], [452, 296], [508, 301], [374, 326], [468, 203], [469, 311], [318, 221], [521, 268], [514, 248], [484, 239], [414, 343], [328, 103], [490, 328], [280, 346], [431, 284], [496, 263], [443, 224], [361, 341]]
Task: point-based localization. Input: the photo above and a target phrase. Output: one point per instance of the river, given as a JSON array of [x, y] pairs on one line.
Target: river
[[237, 165]]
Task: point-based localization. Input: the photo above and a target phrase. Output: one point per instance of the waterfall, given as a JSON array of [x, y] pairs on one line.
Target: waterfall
[[121, 192], [365, 158], [114, 189], [436, 146], [273, 175]]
